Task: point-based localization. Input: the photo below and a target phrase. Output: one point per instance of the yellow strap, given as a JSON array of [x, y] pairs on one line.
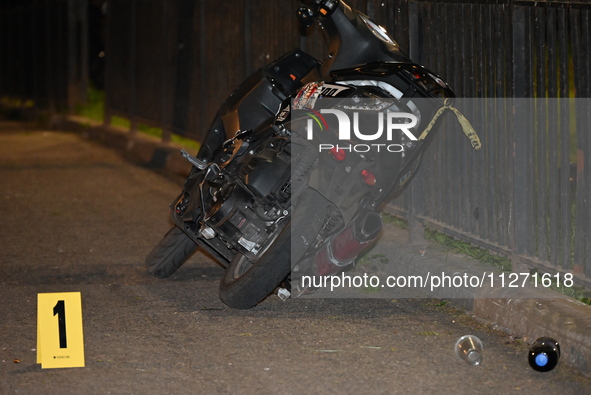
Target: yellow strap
[[466, 126]]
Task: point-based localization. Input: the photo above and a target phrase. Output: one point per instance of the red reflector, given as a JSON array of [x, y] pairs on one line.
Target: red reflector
[[337, 153], [368, 177]]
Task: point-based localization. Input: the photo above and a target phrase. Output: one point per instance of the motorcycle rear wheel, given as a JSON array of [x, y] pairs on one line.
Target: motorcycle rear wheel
[[170, 253], [246, 283]]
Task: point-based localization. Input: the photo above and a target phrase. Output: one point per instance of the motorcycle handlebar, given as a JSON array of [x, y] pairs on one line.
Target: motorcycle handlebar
[[316, 9]]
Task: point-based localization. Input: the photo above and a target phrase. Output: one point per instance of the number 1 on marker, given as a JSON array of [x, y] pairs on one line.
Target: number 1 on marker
[[60, 310]]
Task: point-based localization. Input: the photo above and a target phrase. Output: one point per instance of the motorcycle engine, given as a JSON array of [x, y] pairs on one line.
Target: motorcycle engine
[[246, 202]]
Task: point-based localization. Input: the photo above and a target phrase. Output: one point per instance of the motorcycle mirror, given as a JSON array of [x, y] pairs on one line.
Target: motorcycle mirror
[[305, 16]]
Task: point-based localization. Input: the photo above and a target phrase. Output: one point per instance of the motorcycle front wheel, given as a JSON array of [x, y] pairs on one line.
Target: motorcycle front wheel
[[170, 253], [247, 283]]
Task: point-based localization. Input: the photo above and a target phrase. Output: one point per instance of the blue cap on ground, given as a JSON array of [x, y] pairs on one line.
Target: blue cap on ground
[[541, 359]]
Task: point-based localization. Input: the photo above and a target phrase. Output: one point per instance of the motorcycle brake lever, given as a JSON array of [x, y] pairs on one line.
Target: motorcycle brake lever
[[201, 165]]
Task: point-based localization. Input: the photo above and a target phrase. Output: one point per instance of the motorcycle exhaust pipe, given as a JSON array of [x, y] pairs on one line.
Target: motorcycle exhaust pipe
[[342, 249]]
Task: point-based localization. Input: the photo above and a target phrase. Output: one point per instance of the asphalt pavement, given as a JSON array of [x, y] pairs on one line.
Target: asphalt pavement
[[77, 216]]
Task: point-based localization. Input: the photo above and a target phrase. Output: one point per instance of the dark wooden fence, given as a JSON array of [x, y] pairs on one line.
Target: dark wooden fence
[[171, 63], [43, 56]]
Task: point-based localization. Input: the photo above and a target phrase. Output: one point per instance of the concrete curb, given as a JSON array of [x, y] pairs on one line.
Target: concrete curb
[[142, 149], [534, 313]]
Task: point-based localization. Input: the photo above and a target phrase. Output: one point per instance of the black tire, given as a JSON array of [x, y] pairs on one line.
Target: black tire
[[245, 284], [170, 253]]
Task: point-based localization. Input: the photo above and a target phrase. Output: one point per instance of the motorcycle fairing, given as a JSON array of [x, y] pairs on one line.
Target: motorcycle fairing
[[345, 26], [257, 100], [341, 180], [410, 78]]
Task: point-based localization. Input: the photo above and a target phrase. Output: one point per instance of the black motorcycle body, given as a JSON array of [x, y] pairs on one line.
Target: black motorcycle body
[[262, 199]]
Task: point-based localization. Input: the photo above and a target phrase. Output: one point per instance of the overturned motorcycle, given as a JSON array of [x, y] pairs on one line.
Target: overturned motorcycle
[[291, 175]]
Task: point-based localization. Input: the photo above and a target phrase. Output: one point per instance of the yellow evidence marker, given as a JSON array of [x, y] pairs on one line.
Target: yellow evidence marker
[[60, 342]]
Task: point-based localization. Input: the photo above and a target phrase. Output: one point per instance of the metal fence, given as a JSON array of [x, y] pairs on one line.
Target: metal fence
[[526, 194], [42, 56]]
